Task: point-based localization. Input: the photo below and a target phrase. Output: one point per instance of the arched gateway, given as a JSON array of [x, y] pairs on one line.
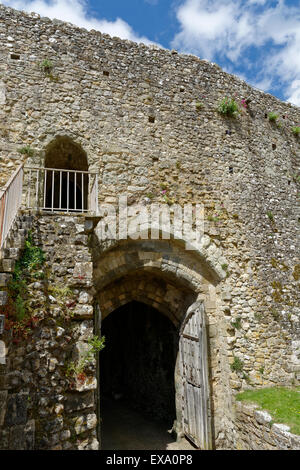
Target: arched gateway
[[182, 285]]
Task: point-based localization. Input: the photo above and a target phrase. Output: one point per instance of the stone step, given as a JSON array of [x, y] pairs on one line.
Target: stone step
[[25, 226], [14, 242], [18, 231], [4, 279], [27, 219], [22, 232], [3, 298], [16, 238], [19, 224], [18, 242], [7, 265], [12, 253]]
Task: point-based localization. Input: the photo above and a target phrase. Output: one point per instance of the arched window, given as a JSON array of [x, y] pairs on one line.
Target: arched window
[[66, 177]]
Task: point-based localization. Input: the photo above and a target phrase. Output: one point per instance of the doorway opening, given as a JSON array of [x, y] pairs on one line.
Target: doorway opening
[[66, 177], [137, 379]]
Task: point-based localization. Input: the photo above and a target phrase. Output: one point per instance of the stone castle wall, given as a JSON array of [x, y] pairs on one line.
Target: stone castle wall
[[134, 111], [257, 431], [42, 403]]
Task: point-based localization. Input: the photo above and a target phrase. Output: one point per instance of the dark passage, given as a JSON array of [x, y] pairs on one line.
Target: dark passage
[[65, 192], [137, 371]]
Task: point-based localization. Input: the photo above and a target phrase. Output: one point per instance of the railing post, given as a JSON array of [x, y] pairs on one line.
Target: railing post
[[68, 190], [96, 202], [82, 193], [45, 187], [29, 189], [75, 180], [60, 188], [37, 189], [89, 198], [52, 199], [2, 212]]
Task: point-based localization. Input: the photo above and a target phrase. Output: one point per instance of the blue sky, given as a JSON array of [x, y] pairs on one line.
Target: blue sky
[[258, 40]]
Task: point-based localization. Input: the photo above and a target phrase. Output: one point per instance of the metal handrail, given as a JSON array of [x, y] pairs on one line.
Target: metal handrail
[[61, 190], [10, 202], [60, 169], [84, 198]]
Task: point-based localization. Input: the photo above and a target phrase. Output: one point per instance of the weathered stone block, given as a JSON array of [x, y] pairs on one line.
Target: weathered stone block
[[83, 311], [83, 271], [54, 425], [4, 279], [3, 298], [79, 401], [89, 384], [262, 417], [3, 401], [7, 265], [2, 353], [29, 432], [17, 439], [84, 423], [295, 442], [16, 412]]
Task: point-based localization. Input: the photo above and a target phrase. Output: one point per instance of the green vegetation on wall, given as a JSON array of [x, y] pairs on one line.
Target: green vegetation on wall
[[18, 314]]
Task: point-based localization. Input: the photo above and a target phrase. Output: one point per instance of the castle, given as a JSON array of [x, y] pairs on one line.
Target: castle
[[86, 118]]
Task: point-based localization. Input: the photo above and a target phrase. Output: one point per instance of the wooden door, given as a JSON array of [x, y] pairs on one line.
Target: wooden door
[[196, 415]]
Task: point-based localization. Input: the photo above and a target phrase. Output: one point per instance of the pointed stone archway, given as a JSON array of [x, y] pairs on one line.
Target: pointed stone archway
[[176, 282]]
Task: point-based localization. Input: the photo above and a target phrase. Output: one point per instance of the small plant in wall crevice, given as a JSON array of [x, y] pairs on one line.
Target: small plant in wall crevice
[[228, 107], [273, 117], [211, 218], [237, 323], [296, 130], [47, 65], [77, 369], [237, 365], [224, 266], [246, 377], [26, 150]]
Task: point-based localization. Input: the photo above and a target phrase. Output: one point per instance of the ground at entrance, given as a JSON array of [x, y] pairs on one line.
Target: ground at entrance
[[126, 429]]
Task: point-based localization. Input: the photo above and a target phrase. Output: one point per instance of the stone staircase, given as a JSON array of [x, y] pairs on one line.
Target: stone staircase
[[8, 255], [11, 252]]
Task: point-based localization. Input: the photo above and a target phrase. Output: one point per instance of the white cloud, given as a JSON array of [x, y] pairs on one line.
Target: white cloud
[[294, 91], [76, 12], [231, 29], [264, 84]]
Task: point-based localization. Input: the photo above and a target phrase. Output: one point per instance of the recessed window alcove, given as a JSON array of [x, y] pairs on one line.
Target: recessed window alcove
[[66, 177]]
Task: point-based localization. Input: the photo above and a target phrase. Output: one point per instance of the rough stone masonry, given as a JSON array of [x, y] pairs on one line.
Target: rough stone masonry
[[147, 121]]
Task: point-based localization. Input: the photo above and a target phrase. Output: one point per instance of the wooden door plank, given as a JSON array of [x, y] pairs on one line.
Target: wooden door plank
[[194, 369]]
